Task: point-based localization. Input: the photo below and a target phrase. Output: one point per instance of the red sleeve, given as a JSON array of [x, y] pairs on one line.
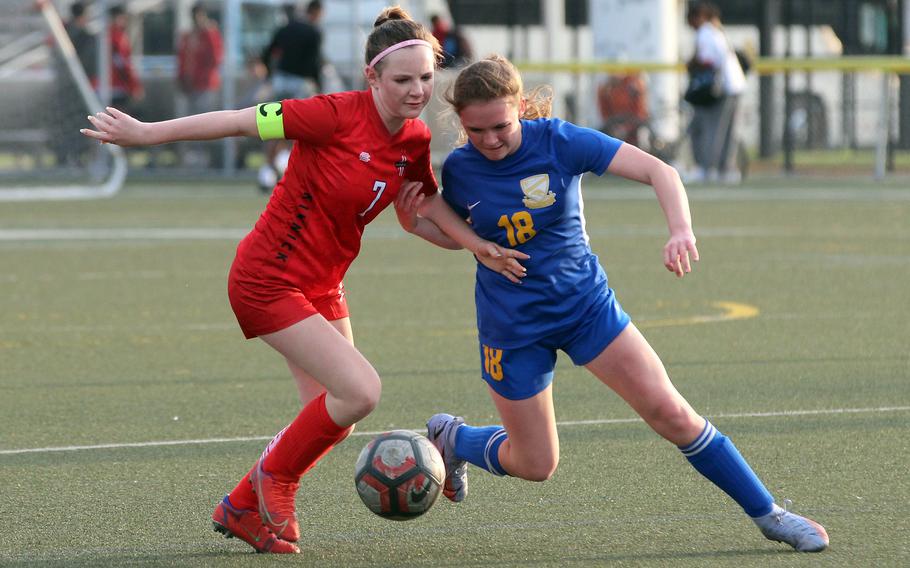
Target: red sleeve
[[424, 169], [430, 186], [313, 120]]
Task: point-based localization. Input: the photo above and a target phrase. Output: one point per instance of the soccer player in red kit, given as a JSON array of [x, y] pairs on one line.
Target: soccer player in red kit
[[354, 152]]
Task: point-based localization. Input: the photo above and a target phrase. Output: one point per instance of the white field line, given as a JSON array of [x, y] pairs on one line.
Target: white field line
[[564, 424], [127, 234], [129, 237]]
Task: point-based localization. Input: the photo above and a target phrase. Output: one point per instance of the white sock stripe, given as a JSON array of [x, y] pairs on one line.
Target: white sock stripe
[[486, 452], [712, 432], [704, 444], [273, 441], [698, 440]]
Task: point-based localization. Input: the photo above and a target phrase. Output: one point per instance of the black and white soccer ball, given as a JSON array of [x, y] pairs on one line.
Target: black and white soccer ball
[[399, 475]]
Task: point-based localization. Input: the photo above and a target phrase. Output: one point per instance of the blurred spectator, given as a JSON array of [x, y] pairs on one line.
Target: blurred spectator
[[456, 49], [623, 104], [294, 56], [69, 150], [84, 41], [713, 127], [294, 60], [126, 87], [199, 55]]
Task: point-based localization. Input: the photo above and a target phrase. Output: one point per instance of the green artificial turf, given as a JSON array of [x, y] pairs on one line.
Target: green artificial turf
[[791, 334]]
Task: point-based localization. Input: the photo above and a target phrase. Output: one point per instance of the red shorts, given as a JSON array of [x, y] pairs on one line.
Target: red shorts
[[264, 306]]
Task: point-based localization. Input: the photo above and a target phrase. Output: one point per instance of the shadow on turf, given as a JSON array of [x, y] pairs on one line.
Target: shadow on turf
[[224, 556], [175, 558], [601, 559]]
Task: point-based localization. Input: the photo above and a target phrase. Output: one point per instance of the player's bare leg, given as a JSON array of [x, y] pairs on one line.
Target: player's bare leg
[[631, 368], [531, 450], [279, 508], [308, 387], [318, 353], [315, 346], [526, 446]]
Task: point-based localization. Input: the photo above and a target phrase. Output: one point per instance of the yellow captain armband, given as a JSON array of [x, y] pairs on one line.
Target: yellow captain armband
[[270, 121]]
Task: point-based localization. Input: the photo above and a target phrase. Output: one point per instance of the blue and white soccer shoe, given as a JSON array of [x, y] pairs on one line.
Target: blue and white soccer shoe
[[805, 535], [441, 430]]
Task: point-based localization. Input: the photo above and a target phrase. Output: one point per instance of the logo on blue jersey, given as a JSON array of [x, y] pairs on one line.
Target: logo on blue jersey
[[537, 191]]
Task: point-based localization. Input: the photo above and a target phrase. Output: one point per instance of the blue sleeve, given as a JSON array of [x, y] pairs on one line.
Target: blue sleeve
[[448, 189], [583, 149]]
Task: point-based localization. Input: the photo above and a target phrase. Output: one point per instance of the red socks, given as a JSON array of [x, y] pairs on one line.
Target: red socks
[[295, 450], [242, 497]]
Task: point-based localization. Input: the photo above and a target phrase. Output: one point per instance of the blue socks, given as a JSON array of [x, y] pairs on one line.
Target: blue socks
[[480, 446], [713, 455]]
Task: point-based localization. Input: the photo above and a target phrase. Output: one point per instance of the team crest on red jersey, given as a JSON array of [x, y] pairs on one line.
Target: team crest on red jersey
[[401, 165]]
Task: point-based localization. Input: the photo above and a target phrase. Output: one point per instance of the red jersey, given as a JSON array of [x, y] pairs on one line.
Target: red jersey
[[199, 56], [124, 78], [345, 168]]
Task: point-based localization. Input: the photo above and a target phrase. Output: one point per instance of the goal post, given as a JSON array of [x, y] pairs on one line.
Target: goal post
[[42, 154]]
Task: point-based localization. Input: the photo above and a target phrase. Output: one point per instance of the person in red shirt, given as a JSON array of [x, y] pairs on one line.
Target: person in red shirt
[[353, 153], [199, 55], [126, 87], [456, 49], [440, 28]]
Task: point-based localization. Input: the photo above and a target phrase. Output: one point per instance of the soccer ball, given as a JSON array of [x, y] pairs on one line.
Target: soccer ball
[[399, 475]]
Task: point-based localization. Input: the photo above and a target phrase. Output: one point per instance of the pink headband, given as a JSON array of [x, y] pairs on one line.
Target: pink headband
[[397, 46]]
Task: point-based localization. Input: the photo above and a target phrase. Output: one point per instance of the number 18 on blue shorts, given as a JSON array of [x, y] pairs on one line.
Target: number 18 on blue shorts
[[522, 372]]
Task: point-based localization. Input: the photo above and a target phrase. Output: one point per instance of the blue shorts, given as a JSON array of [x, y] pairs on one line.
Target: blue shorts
[[523, 372]]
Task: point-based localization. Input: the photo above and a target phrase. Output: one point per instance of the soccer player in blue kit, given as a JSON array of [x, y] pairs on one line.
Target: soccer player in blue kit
[[518, 182]]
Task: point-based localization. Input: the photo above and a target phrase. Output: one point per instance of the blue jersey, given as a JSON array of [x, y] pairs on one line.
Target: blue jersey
[[531, 201]]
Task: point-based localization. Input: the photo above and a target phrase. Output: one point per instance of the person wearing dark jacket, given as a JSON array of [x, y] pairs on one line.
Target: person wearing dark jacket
[[293, 59], [294, 56]]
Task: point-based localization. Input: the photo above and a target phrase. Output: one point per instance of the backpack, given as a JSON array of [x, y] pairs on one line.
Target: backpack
[[745, 62], [706, 86], [457, 50], [451, 46]]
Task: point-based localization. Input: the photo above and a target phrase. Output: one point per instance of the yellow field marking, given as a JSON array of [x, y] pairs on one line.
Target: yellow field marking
[[731, 311]]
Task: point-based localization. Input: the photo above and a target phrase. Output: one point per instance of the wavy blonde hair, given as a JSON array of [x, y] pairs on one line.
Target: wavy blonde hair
[[495, 77]]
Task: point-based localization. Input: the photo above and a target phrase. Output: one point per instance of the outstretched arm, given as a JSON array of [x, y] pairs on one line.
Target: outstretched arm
[[635, 164], [117, 127], [438, 224]]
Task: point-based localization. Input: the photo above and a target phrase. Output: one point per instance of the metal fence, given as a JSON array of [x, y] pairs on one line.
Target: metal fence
[[817, 116]]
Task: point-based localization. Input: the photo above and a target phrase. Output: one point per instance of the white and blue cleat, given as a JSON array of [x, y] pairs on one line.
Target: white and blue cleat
[[441, 429], [805, 535]]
